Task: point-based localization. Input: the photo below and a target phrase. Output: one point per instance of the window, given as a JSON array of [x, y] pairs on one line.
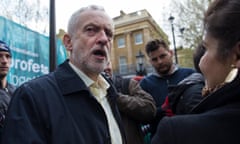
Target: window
[[138, 39], [121, 42], [123, 65]]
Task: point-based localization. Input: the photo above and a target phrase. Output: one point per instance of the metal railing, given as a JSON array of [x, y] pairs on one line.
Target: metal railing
[[131, 70]]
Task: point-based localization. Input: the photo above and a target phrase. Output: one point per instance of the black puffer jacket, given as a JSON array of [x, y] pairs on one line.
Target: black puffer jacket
[[187, 94]]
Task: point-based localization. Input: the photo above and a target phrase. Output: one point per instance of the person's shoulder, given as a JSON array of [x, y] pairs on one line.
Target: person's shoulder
[[181, 119], [39, 82], [11, 86], [187, 69], [193, 79], [176, 123], [148, 78], [42, 86]]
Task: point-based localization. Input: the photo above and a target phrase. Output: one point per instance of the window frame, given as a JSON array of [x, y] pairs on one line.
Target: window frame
[[137, 39], [121, 44]]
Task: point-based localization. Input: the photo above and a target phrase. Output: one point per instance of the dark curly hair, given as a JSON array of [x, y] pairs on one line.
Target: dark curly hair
[[155, 44]]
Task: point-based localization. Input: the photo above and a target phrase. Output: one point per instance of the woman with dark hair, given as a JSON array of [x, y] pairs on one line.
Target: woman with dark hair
[[215, 120]]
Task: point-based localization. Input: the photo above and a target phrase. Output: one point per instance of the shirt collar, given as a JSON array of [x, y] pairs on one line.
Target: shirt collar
[[101, 82]]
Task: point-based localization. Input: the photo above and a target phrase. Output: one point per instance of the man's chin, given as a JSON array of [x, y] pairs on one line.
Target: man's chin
[[163, 72], [2, 75], [97, 68]]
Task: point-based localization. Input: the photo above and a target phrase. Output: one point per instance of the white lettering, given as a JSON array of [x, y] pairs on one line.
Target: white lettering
[[18, 80], [29, 66]]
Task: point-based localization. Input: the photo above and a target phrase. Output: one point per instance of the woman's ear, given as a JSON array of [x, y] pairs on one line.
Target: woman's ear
[[237, 54], [238, 50], [67, 42]]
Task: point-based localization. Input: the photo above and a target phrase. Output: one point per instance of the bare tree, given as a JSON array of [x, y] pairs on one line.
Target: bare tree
[[29, 13], [189, 18]]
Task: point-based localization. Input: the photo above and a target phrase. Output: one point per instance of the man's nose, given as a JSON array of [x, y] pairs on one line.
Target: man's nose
[[3, 59], [102, 37], [159, 60]]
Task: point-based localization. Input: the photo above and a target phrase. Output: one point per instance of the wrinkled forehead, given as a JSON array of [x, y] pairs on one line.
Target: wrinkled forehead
[[89, 15]]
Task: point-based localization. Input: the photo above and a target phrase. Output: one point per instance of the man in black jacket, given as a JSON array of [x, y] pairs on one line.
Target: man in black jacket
[[74, 104]]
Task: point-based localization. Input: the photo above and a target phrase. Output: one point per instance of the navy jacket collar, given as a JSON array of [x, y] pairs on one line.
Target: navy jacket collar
[[68, 80]]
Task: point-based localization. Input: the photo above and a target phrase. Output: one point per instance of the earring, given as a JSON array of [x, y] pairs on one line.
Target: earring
[[233, 66]]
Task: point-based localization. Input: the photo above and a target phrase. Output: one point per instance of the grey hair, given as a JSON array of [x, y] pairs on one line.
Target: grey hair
[[74, 19]]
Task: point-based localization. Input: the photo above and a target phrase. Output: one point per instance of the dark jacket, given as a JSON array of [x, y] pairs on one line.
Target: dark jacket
[[5, 97], [157, 87], [58, 108], [136, 107], [187, 94], [215, 120]]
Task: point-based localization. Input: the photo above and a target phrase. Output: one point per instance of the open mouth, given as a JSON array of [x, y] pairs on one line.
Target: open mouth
[[101, 53]]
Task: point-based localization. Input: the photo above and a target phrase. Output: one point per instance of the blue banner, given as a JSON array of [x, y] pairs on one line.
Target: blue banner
[[30, 51]]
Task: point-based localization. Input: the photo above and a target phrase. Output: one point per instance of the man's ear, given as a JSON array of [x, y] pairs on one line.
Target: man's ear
[[171, 52], [67, 42], [149, 60]]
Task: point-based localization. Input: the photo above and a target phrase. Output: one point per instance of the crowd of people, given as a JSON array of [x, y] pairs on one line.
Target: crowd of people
[[83, 102]]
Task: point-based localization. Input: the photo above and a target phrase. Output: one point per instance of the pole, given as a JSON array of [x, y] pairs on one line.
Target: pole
[[174, 44], [141, 72], [52, 31]]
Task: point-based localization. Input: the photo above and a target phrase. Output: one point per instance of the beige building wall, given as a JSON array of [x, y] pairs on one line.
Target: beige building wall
[[127, 26]]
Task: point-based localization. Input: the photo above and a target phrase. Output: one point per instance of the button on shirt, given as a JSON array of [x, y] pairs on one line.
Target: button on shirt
[[99, 90]]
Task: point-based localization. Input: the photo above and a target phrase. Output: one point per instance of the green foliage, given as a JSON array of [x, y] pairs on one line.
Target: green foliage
[[185, 57]]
